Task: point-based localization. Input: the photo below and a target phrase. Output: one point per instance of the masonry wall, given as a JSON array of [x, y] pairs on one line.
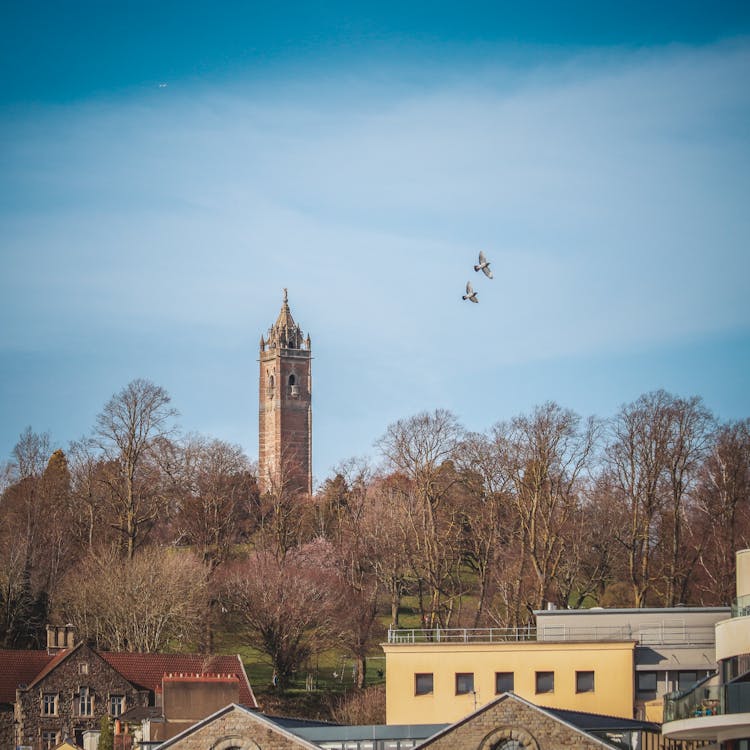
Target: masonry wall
[[236, 729], [66, 680], [512, 719]]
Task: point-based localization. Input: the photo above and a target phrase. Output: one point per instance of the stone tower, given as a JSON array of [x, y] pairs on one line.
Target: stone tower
[[285, 407]]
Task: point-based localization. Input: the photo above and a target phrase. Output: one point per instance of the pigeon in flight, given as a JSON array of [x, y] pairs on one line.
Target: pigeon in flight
[[484, 265], [470, 293]]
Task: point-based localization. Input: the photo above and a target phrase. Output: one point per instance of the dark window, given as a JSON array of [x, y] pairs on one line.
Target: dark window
[[422, 684], [292, 380], [686, 679], [584, 682], [545, 682], [646, 682], [503, 682], [464, 683], [116, 704], [49, 704], [49, 740], [85, 702]]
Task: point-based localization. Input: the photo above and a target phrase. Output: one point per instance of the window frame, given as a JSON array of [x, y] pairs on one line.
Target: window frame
[[540, 675], [85, 700], [498, 676], [582, 674], [50, 739], [121, 701], [461, 676], [641, 675], [424, 675], [55, 699]]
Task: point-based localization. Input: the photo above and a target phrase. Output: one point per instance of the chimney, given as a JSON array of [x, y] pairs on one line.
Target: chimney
[[60, 637]]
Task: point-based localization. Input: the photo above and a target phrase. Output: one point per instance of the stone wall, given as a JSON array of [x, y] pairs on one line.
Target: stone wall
[[509, 718], [82, 668], [239, 729]]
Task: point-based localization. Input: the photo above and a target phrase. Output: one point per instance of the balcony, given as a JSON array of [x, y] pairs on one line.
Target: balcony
[[461, 635], [741, 606], [707, 700]]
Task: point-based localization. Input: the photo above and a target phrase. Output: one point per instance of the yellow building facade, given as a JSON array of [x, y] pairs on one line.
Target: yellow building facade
[[431, 683]]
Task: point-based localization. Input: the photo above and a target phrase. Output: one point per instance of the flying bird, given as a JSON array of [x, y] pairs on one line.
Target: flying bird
[[470, 293], [484, 265]]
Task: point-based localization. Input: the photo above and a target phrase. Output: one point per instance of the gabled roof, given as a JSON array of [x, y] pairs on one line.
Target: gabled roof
[[147, 670], [19, 668], [523, 701], [143, 670], [253, 716]]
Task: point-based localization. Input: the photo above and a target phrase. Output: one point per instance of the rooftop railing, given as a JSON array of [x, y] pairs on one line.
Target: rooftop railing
[[656, 634], [707, 700]]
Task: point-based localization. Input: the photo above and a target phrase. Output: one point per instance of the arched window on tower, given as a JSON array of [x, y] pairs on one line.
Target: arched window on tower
[[293, 387]]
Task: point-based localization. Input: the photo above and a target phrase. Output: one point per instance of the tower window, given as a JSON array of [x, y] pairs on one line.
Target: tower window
[[292, 380], [270, 381]]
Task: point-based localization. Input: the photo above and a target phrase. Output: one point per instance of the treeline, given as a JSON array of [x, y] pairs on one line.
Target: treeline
[[148, 540]]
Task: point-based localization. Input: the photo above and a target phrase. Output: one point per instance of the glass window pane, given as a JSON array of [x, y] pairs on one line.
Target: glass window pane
[[646, 682], [584, 682], [422, 684], [503, 682], [464, 682], [545, 682]]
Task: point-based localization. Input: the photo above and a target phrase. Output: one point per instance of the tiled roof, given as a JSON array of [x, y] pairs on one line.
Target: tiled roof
[[19, 668], [147, 670], [143, 670]]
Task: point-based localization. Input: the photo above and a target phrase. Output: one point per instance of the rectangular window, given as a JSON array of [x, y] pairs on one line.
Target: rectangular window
[[49, 740], [464, 683], [646, 682], [686, 679], [85, 702], [49, 704], [584, 682], [83, 668], [422, 684], [116, 704], [504, 682], [545, 682]]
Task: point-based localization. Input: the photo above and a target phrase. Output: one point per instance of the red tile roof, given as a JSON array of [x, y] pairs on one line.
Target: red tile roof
[[147, 670], [19, 668], [144, 670]]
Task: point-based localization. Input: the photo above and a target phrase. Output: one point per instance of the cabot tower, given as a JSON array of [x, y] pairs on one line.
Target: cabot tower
[[285, 407]]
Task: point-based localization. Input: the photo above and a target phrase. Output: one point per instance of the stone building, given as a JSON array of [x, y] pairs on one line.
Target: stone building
[[63, 692], [285, 407]]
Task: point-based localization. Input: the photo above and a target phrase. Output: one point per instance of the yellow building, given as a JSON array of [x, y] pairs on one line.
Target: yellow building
[[440, 681]]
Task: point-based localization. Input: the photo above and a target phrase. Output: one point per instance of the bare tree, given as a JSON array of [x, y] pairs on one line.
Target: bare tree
[[282, 605], [423, 449], [488, 523], [146, 604], [549, 452], [216, 490], [723, 509], [127, 428]]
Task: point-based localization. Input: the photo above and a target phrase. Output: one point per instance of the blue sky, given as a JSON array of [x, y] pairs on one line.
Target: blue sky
[[361, 155]]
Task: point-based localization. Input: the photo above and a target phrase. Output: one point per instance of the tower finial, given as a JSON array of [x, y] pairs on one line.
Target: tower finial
[[285, 296]]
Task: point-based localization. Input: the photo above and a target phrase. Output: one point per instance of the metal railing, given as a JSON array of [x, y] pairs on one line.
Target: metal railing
[[461, 635], [707, 700], [741, 606], [651, 635]]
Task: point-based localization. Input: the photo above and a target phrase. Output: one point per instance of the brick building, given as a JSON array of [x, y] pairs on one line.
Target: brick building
[[285, 407]]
